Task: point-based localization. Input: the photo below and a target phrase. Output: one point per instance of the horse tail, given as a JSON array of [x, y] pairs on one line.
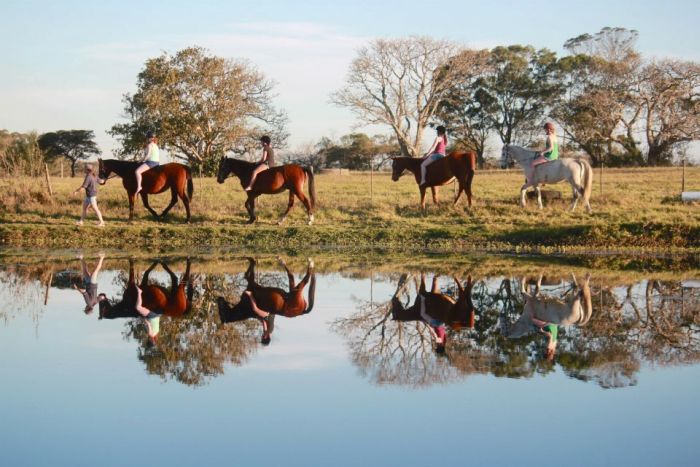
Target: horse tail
[[587, 180], [190, 185], [312, 294], [312, 186], [587, 304]]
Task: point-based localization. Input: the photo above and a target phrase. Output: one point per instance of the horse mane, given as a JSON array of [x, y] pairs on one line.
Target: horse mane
[[120, 164]]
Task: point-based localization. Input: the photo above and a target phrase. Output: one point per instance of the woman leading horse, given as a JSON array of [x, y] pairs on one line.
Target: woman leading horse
[[173, 176]]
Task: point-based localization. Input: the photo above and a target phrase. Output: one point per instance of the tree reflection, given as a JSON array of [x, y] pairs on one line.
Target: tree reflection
[[192, 345], [606, 338]]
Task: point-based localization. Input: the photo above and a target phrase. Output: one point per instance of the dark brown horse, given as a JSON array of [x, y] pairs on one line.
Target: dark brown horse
[[458, 164], [174, 303], [454, 313], [274, 180], [176, 177], [273, 300]]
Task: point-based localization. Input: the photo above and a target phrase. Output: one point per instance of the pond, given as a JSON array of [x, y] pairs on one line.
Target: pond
[[225, 358]]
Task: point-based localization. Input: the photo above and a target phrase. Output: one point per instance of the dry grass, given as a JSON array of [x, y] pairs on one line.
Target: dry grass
[[638, 207]]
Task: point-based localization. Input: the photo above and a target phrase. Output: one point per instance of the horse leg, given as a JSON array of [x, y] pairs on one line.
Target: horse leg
[[422, 197], [131, 206], [250, 206], [575, 194], [144, 198], [299, 192], [539, 196], [173, 200], [522, 194], [289, 207], [468, 187], [435, 196], [460, 189], [290, 276]]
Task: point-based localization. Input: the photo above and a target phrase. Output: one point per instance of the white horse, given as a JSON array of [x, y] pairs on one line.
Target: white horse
[[575, 308], [577, 172]]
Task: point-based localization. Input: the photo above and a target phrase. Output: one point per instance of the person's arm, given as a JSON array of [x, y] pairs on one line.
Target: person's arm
[[433, 147], [81, 186], [147, 152], [265, 155], [548, 146], [538, 322]]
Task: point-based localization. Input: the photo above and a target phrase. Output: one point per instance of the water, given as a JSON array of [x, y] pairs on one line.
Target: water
[[357, 379]]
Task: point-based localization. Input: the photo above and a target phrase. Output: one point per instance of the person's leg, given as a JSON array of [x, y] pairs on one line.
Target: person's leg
[[139, 176], [98, 267], [93, 203], [424, 168], [86, 203], [262, 313], [255, 173]]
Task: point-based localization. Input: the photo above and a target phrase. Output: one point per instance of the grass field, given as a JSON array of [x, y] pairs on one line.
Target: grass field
[[639, 209]]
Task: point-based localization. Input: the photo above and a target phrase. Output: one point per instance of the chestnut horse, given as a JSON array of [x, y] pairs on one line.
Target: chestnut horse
[[454, 313], [271, 299], [458, 164], [274, 180], [175, 176], [175, 302]]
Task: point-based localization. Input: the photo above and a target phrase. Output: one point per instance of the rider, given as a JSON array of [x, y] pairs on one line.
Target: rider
[[436, 151], [266, 161], [151, 158], [551, 330], [551, 149]]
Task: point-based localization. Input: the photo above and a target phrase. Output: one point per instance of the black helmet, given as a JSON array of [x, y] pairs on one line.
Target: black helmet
[[150, 134]]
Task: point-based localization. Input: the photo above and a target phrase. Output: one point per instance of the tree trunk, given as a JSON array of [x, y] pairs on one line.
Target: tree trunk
[[72, 167]]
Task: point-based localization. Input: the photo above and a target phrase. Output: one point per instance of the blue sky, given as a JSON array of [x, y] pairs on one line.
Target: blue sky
[[67, 64]]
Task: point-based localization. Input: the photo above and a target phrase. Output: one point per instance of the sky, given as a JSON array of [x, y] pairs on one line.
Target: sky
[[67, 64]]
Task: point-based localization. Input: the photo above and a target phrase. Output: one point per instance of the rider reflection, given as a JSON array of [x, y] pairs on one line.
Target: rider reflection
[[263, 303]]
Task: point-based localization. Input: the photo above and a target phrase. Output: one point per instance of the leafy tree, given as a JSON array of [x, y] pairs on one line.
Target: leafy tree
[[20, 154], [519, 92], [400, 83], [201, 106], [74, 145], [463, 112], [356, 150]]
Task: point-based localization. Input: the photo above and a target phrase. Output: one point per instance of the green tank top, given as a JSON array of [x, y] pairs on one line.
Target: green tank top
[[553, 329], [554, 153]]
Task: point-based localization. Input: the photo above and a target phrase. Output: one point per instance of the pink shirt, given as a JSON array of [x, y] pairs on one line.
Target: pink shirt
[[440, 148]]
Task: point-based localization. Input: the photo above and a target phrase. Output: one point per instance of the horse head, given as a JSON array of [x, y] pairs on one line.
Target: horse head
[[224, 170], [463, 311], [397, 168], [102, 170], [506, 158]]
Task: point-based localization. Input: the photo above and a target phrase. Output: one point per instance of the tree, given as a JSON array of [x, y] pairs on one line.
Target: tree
[[201, 106], [400, 82], [598, 112], [74, 145], [670, 101], [519, 92], [20, 154], [462, 111], [356, 150]]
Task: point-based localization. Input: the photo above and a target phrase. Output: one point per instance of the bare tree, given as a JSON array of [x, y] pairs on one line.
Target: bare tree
[[670, 98], [400, 83]]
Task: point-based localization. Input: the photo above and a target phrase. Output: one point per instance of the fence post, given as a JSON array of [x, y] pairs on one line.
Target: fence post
[[601, 177], [683, 180], [48, 180]]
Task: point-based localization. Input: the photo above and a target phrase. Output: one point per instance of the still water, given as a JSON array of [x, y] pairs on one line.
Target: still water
[[224, 359]]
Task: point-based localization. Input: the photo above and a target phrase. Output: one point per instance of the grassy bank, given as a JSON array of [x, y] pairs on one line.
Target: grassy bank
[[639, 210]]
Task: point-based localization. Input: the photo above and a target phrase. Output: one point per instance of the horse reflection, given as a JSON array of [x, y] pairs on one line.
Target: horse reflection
[[548, 313], [437, 309], [264, 303], [175, 302]]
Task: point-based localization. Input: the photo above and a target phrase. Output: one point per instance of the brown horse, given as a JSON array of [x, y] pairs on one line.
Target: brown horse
[[175, 176], [273, 300], [174, 303], [454, 313], [458, 164], [271, 181]]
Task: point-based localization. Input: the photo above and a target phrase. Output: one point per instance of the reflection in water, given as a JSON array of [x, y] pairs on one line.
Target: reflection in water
[[605, 342], [194, 319], [264, 303]]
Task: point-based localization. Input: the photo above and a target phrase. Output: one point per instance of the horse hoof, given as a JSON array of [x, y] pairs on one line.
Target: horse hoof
[[311, 262]]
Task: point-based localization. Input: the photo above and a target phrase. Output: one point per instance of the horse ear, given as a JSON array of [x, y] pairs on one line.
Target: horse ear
[[459, 286]]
